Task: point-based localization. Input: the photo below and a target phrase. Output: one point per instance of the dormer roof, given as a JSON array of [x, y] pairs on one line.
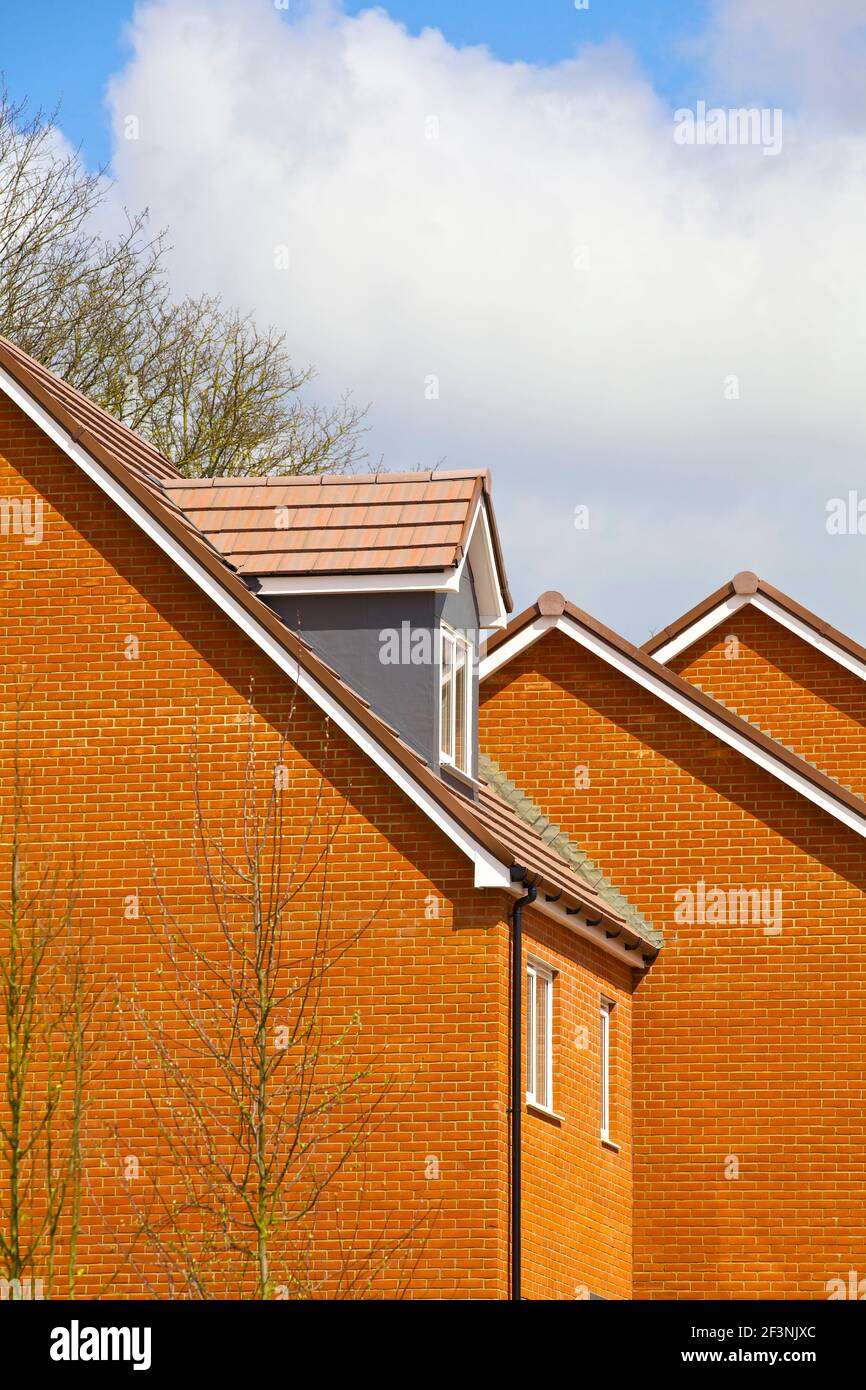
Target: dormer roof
[[337, 534]]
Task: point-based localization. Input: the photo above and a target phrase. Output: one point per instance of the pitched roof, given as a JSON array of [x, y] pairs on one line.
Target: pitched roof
[[551, 610], [83, 418], [577, 859], [747, 588], [335, 524], [103, 447]]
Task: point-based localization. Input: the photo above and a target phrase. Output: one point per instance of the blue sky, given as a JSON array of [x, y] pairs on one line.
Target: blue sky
[[66, 50]]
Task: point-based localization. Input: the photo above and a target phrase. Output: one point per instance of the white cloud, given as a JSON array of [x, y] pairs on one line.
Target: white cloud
[[582, 287], [810, 53]]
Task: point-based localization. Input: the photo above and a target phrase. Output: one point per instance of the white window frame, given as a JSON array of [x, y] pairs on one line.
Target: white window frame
[[605, 1012], [536, 970], [449, 637]]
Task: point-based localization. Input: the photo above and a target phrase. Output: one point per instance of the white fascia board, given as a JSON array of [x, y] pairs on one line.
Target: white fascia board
[[679, 701], [808, 634], [481, 555], [491, 874], [489, 871], [516, 644], [420, 581], [700, 627], [770, 609], [597, 935]]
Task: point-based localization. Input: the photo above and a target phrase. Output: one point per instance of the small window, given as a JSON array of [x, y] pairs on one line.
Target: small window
[[604, 1039], [539, 1035], [455, 700]]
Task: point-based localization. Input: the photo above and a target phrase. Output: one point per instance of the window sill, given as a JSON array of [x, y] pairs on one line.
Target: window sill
[[454, 771], [543, 1112], [609, 1144]]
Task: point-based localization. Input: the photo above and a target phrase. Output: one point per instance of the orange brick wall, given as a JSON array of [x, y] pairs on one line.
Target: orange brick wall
[[106, 743], [746, 1047], [793, 691]]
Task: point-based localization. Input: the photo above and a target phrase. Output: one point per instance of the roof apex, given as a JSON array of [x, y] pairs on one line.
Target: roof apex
[[551, 603]]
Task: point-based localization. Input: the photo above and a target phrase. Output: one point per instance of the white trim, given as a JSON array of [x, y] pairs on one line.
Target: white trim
[[514, 646], [489, 871], [488, 591], [534, 971], [606, 1008], [700, 627], [808, 634], [452, 635], [679, 701], [437, 581], [770, 609], [536, 1109]]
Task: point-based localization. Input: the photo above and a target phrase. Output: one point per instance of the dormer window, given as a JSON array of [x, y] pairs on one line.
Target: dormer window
[[455, 702]]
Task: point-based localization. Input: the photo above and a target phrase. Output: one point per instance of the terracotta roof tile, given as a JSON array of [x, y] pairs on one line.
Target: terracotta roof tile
[[135, 453], [555, 877], [375, 523], [577, 860]]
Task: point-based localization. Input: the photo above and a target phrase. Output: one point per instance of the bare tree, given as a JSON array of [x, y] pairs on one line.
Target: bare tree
[[264, 1102], [48, 1004], [224, 397], [214, 392]]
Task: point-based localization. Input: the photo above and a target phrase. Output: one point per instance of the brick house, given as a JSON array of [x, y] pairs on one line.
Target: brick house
[[575, 1052], [748, 1084]]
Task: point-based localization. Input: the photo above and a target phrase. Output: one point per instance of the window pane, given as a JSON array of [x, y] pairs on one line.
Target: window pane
[[605, 1071], [530, 1033], [542, 1028], [461, 691], [446, 737]]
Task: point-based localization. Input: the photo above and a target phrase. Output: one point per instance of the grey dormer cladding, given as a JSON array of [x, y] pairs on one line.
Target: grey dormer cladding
[[348, 631]]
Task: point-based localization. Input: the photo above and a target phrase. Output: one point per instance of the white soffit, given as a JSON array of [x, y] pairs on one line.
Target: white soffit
[[481, 557], [401, 581]]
